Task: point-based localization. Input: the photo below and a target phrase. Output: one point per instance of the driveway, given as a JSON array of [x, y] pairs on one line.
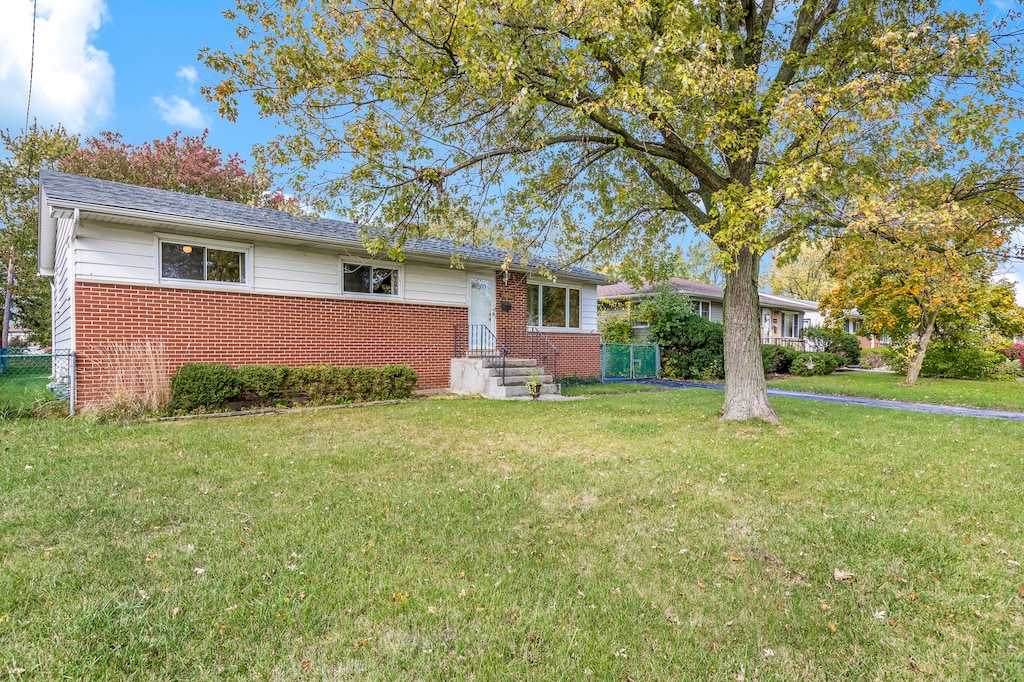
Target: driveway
[[849, 400]]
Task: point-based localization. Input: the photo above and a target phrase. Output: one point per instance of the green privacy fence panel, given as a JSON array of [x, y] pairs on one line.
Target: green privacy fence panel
[[616, 361], [629, 360], [645, 361]]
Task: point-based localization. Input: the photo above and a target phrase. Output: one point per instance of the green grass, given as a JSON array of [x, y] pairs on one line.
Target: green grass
[[23, 388], [606, 389], [611, 538], [1002, 395]]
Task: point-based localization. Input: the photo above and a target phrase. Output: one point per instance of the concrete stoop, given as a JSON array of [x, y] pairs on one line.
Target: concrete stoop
[[479, 376]]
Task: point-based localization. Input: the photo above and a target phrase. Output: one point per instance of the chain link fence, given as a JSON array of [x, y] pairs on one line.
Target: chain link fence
[[630, 360], [34, 382]]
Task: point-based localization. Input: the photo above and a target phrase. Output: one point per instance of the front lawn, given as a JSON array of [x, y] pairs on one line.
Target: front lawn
[[23, 387], [1000, 395], [607, 388], [621, 537]]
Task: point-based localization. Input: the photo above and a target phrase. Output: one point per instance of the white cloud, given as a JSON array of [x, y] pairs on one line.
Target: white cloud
[[180, 112], [188, 74], [73, 82]]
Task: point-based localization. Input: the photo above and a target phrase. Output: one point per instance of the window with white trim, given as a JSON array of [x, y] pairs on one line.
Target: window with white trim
[[198, 262], [703, 308], [551, 305], [791, 325], [853, 326], [361, 278]]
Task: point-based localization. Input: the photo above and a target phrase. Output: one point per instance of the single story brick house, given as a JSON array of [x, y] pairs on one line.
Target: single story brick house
[[782, 319], [216, 281]]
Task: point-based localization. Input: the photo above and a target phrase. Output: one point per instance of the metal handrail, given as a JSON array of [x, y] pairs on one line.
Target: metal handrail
[[532, 344], [480, 342]]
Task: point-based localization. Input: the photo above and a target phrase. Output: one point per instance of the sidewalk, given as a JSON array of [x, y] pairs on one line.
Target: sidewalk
[[928, 408]]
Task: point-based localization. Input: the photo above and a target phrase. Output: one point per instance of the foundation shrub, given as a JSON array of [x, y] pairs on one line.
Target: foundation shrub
[[263, 384], [777, 359], [821, 364], [843, 344], [203, 387]]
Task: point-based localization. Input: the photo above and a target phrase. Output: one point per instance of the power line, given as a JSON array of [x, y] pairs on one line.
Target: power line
[[32, 62]]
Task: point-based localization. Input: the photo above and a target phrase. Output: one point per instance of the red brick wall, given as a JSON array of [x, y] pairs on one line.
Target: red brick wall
[[578, 353], [514, 292], [239, 328]]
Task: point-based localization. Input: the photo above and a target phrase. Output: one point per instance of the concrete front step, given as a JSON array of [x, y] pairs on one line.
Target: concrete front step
[[474, 376], [522, 380], [510, 362], [515, 371]]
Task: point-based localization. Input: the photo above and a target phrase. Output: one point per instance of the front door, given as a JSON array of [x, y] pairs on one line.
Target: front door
[[481, 313]]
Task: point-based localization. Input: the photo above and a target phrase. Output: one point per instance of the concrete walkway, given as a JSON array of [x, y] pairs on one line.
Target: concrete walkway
[[928, 408]]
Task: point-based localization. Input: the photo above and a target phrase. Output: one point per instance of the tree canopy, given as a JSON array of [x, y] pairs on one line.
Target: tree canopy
[[26, 295], [923, 261], [802, 274], [593, 129], [179, 163]]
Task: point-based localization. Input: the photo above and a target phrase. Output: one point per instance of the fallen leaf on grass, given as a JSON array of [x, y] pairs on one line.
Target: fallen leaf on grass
[[841, 575], [306, 665], [735, 557], [832, 625]]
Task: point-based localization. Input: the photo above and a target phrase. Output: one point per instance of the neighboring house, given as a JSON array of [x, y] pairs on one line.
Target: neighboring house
[[782, 319], [217, 281], [16, 336], [853, 322]]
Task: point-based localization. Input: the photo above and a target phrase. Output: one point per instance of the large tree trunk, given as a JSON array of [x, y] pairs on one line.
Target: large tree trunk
[[746, 395], [914, 367]]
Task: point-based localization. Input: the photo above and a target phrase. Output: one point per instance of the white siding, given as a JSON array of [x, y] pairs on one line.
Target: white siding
[[588, 308], [112, 253], [435, 284], [63, 312], [280, 269]]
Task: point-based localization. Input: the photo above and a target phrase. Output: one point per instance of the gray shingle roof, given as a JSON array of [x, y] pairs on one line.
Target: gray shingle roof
[[700, 289], [76, 189]]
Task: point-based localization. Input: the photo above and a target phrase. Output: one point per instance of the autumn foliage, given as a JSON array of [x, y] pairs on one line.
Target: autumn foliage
[[917, 261], [179, 163]]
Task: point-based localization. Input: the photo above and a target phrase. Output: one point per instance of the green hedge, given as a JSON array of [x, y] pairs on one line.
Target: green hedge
[[777, 359], [210, 387], [203, 388], [843, 344], [821, 364]]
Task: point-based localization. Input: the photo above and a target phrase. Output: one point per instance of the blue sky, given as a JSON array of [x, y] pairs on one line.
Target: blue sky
[[130, 66], [121, 65]]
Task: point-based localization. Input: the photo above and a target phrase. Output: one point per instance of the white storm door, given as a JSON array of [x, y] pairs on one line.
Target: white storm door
[[481, 313]]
